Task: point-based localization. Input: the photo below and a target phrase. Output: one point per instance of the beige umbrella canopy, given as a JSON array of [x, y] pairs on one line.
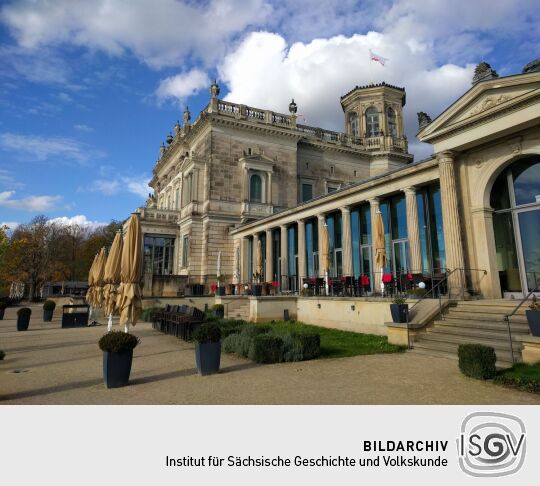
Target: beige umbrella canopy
[[380, 249], [112, 274], [259, 260], [325, 250], [99, 275], [91, 282], [130, 304]]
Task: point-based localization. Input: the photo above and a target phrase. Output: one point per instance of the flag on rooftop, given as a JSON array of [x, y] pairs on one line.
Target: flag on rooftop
[[377, 58]]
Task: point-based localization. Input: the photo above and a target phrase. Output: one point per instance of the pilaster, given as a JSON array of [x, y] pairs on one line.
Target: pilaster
[[413, 231]]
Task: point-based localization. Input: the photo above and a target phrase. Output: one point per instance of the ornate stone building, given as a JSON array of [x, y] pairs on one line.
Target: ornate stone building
[[239, 175]]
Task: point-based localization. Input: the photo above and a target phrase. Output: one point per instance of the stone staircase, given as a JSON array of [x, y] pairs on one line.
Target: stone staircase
[[478, 321], [237, 308]]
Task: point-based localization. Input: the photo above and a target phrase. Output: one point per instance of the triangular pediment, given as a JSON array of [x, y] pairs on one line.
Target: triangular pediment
[[485, 100]]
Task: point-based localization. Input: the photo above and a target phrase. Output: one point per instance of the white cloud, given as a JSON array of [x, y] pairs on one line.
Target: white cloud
[[160, 33], [113, 185], [78, 220], [8, 180], [30, 203], [182, 85], [81, 127], [11, 225], [38, 148], [265, 72]]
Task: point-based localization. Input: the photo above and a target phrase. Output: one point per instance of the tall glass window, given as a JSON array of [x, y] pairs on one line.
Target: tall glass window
[[307, 191], [312, 248], [430, 226], [250, 266], [158, 255], [292, 256], [372, 122], [185, 251], [276, 252], [355, 131], [255, 188], [334, 235], [262, 239], [392, 122], [177, 198]]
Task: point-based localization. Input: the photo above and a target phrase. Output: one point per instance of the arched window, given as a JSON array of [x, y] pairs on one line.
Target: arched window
[[392, 124], [255, 188], [354, 125], [372, 122]]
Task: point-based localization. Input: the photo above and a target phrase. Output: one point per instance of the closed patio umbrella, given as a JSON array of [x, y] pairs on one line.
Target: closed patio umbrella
[[130, 298], [99, 275], [218, 268], [259, 261], [380, 248], [325, 253], [112, 277], [91, 280]]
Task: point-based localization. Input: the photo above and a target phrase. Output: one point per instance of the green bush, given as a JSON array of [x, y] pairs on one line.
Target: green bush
[[399, 300], [292, 347], [49, 305], [24, 312], [207, 333], [231, 343], [310, 345], [266, 348], [118, 341], [477, 361], [255, 329], [217, 307], [2, 355]]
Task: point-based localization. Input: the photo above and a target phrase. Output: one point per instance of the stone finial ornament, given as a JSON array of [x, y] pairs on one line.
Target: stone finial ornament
[[423, 119], [483, 72], [187, 116], [177, 128], [162, 150], [532, 67], [214, 89], [293, 107], [169, 139]]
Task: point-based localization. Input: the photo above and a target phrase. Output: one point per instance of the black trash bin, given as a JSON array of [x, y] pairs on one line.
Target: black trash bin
[[75, 315]]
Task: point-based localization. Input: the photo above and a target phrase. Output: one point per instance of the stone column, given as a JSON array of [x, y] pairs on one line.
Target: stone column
[[377, 275], [284, 258], [269, 261], [452, 228], [302, 271], [346, 241], [254, 256], [244, 277], [321, 220], [413, 232]]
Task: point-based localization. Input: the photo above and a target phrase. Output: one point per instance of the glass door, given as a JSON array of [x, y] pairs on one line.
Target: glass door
[[529, 234]]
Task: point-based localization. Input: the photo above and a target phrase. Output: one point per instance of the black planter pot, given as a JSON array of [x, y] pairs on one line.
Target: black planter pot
[[207, 357], [257, 290], [48, 315], [2, 314], [116, 368], [220, 291], [23, 323], [533, 318], [399, 312]]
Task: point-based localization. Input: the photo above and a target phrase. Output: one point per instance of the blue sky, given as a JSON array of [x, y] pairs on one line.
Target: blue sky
[[89, 90]]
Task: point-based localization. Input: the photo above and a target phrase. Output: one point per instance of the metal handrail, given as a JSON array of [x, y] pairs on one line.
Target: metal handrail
[[508, 316]]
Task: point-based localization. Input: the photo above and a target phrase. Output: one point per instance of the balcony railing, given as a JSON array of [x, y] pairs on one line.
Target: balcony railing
[[154, 214]]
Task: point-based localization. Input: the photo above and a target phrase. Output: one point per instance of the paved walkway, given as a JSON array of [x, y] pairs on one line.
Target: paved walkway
[[50, 365]]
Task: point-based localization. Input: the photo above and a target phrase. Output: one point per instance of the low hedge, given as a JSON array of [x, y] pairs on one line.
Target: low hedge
[[266, 348], [207, 333], [477, 361]]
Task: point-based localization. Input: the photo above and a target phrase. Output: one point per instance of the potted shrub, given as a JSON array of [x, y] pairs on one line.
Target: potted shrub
[[117, 347], [207, 348], [256, 288], [48, 310], [3, 306], [221, 285], [23, 318], [399, 309], [218, 310], [533, 317]]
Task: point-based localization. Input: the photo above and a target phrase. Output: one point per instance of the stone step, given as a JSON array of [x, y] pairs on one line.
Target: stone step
[[489, 309], [477, 316], [517, 327], [497, 335], [503, 358], [497, 344]]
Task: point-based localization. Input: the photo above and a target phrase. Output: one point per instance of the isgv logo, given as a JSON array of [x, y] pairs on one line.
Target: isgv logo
[[491, 444]]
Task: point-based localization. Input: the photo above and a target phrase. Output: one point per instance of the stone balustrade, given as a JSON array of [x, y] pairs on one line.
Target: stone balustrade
[[154, 214]]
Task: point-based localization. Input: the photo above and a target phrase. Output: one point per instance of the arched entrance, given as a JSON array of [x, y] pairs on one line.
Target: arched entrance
[[515, 199]]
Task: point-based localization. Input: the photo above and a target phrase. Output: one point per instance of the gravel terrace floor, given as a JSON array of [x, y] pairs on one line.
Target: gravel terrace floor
[[50, 365]]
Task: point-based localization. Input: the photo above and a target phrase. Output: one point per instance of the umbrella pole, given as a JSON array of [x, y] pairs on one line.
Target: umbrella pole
[[126, 327], [109, 325], [326, 287]]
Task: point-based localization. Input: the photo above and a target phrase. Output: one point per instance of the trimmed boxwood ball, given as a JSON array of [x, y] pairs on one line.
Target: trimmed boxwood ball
[[24, 312], [266, 348], [118, 341], [477, 361], [207, 333], [49, 305]]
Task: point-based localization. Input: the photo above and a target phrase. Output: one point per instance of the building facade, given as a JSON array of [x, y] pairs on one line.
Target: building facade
[[241, 178]]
